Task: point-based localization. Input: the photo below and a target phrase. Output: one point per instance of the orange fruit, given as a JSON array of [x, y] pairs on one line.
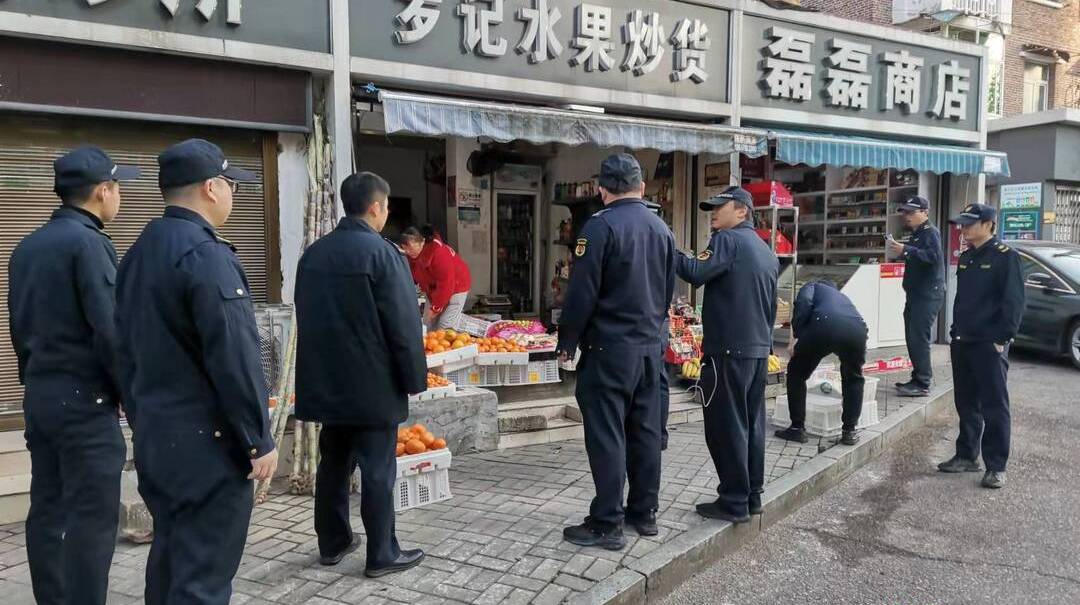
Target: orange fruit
[[415, 446], [418, 428], [400, 449], [438, 444], [451, 334], [402, 435], [427, 439]]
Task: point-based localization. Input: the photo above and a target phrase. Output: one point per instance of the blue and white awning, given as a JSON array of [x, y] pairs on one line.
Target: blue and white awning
[[503, 122], [815, 149]]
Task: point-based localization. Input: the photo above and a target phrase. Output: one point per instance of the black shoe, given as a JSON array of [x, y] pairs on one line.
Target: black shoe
[[849, 437], [711, 510], [792, 434], [755, 504], [993, 479], [913, 390], [644, 525], [590, 534], [901, 385], [408, 559], [335, 559], [956, 464]]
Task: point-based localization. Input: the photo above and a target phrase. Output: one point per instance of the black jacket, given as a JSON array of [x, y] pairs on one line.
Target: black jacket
[[61, 306], [360, 352], [820, 305], [621, 283], [190, 345], [990, 294], [739, 273], [924, 263]]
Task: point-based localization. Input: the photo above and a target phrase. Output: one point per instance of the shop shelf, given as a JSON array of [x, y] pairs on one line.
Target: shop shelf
[[536, 372], [859, 190], [855, 251], [810, 194], [422, 479], [848, 221]]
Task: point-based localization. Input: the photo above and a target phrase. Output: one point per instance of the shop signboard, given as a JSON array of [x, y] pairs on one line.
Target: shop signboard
[[294, 24], [658, 47], [792, 70], [1020, 224]]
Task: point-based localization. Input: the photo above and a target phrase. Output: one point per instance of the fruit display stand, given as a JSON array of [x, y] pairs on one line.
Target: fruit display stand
[[475, 375], [454, 357]]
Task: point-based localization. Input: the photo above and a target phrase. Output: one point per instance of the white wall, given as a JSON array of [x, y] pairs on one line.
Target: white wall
[[403, 168], [472, 243], [293, 195]]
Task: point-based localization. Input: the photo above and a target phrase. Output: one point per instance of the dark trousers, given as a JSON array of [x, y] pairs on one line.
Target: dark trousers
[[734, 393], [197, 491], [919, 316], [77, 454], [618, 393], [980, 376], [848, 342], [665, 405], [341, 450]]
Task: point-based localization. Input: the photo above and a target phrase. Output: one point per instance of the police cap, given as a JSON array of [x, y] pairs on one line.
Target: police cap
[[915, 204], [731, 194], [975, 213], [194, 161], [88, 165], [620, 173]]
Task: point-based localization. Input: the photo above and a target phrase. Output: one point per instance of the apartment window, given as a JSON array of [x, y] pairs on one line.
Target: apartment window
[[1036, 87]]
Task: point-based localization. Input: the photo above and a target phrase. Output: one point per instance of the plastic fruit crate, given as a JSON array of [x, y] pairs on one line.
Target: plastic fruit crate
[[422, 479], [434, 393], [536, 372], [440, 359], [473, 326], [476, 376], [502, 359], [824, 415]]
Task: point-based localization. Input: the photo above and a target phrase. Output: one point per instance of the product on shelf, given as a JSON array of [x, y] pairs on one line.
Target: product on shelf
[[441, 341], [416, 439], [435, 381], [498, 345], [535, 342], [507, 328]]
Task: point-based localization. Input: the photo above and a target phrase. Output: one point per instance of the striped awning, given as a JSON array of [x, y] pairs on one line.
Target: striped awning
[[503, 122], [816, 149]]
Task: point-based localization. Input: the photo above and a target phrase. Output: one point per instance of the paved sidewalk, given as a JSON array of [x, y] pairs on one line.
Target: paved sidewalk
[[498, 541]]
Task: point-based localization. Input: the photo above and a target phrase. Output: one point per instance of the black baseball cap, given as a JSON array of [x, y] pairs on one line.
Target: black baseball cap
[[194, 161], [975, 213], [731, 194], [915, 204], [88, 165], [620, 173]]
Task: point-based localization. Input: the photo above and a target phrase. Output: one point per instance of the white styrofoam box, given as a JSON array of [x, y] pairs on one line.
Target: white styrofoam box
[[434, 393], [835, 387], [476, 376], [473, 326], [441, 359], [536, 372], [824, 415], [422, 479], [502, 359]]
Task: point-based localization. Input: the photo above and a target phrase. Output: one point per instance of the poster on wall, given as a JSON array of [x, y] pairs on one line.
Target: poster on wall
[[718, 175], [1020, 224], [1024, 196]]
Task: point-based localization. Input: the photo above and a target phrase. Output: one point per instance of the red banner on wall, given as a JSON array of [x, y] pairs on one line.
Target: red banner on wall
[[892, 270]]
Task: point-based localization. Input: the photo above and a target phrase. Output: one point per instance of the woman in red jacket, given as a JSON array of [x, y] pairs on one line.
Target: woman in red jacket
[[441, 273]]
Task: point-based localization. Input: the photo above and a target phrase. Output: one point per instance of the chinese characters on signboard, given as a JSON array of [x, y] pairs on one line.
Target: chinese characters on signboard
[[1020, 208], [206, 8], [602, 39], [789, 69]]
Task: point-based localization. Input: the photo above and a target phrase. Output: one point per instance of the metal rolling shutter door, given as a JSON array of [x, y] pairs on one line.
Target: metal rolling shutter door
[[27, 200]]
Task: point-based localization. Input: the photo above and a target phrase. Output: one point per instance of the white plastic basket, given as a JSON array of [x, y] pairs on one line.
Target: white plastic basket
[[476, 376], [440, 359], [824, 415], [473, 326], [502, 359], [434, 393], [536, 372]]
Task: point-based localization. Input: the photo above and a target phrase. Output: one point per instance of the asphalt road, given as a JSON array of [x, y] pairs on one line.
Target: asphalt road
[[897, 532]]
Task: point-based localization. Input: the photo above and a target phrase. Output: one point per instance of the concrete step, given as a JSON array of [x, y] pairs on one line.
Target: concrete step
[[13, 508], [682, 411]]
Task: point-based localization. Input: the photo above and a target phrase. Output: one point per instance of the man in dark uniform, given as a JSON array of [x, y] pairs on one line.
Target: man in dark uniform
[[924, 286], [194, 388], [359, 356], [61, 306], [739, 273], [620, 287], [986, 316], [825, 322]]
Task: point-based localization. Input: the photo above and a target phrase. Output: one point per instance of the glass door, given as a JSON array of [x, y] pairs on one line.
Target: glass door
[[515, 249]]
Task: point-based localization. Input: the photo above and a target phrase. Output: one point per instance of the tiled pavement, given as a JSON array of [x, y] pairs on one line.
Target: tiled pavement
[[498, 541]]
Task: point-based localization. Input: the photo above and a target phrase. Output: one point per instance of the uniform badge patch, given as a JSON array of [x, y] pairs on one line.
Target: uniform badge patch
[[706, 255], [579, 250]]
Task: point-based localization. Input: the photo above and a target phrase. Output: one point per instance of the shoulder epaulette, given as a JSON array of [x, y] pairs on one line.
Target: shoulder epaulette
[[602, 211], [1002, 248]]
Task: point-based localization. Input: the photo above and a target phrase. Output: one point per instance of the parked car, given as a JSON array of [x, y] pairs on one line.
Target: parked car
[[1052, 318]]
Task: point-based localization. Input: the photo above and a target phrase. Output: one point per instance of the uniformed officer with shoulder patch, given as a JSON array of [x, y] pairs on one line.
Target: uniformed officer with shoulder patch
[[987, 312], [620, 287], [359, 356], [739, 272], [195, 391], [924, 287], [62, 306]]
